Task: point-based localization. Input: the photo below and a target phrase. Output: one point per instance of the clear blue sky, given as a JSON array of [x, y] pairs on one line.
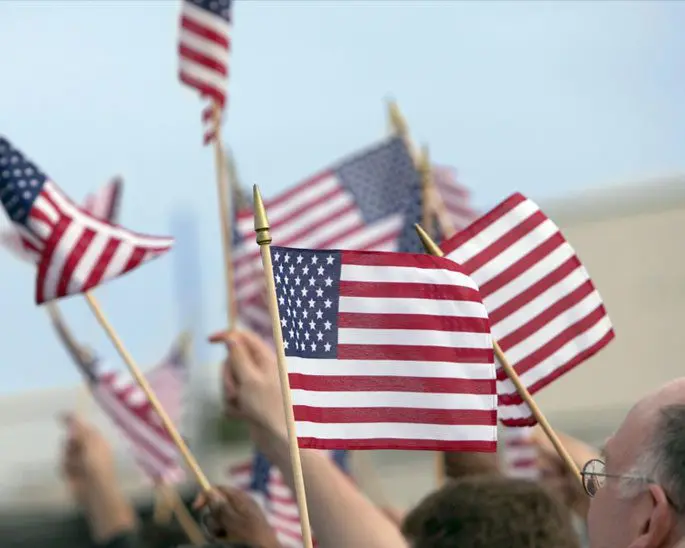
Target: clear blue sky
[[545, 98]]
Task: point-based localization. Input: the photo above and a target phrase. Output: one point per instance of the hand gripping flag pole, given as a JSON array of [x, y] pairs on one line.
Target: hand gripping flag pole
[[433, 249], [261, 225]]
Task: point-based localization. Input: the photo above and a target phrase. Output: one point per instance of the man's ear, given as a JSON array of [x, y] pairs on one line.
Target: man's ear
[[660, 519]]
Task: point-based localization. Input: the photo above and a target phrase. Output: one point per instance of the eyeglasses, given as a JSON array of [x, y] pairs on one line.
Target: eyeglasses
[[594, 476]]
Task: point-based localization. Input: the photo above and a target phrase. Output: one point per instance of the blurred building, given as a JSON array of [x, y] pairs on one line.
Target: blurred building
[[626, 235]]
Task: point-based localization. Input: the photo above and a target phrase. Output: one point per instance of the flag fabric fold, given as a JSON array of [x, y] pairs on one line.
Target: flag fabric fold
[[545, 312], [103, 204], [204, 49], [78, 251], [385, 351]]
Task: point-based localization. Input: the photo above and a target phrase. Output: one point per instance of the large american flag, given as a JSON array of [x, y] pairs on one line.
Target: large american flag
[[385, 351], [519, 453], [545, 311], [127, 406], [369, 201], [77, 251], [204, 48], [103, 204], [265, 484]]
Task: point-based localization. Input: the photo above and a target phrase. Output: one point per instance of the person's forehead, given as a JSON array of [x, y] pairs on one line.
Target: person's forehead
[[631, 434]]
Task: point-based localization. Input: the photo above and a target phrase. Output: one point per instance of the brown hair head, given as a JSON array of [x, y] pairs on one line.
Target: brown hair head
[[490, 512]]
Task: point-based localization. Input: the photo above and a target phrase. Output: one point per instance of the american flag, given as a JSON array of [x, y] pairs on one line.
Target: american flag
[[455, 197], [77, 251], [106, 203], [385, 351], [103, 204], [127, 406], [545, 311], [265, 484], [369, 201], [519, 453], [204, 48]]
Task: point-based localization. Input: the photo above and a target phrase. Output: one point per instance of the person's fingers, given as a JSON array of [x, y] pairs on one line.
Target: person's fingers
[[241, 365], [224, 337], [259, 351]]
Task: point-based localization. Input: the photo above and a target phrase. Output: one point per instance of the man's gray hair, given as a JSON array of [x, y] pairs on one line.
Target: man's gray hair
[[663, 460]]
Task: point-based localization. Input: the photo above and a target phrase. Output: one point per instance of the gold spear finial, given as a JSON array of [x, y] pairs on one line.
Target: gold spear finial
[[261, 221], [397, 121], [428, 243]]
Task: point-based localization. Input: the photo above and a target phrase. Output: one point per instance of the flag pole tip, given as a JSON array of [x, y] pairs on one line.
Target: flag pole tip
[[261, 221], [429, 245], [397, 121]]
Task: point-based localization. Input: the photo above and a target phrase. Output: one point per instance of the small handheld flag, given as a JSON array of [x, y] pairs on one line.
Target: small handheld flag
[[385, 351], [546, 313], [78, 252]]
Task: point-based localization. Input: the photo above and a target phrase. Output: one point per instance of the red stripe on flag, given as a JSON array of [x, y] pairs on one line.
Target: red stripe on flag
[[414, 353], [395, 414], [373, 383], [361, 320], [408, 291]]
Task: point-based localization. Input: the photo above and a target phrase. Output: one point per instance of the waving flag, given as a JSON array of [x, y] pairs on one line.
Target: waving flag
[[124, 402], [385, 351], [204, 48], [545, 311], [77, 251], [369, 201], [265, 484], [104, 205], [519, 455]]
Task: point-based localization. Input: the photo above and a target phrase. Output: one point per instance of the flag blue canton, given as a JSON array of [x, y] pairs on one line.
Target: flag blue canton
[[307, 289], [222, 8], [20, 182], [384, 181], [339, 457], [261, 468]]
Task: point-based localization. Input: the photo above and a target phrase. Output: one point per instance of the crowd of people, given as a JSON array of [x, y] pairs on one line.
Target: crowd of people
[[632, 493]]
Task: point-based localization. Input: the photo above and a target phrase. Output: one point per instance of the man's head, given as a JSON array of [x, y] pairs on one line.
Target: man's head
[[640, 503], [490, 512]]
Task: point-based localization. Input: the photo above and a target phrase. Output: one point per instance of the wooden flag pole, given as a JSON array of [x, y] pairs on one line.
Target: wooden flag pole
[[222, 185], [261, 225], [399, 127], [433, 249], [145, 387], [431, 200], [83, 396], [185, 519]]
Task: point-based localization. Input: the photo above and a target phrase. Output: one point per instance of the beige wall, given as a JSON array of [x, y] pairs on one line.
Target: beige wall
[[632, 247]]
